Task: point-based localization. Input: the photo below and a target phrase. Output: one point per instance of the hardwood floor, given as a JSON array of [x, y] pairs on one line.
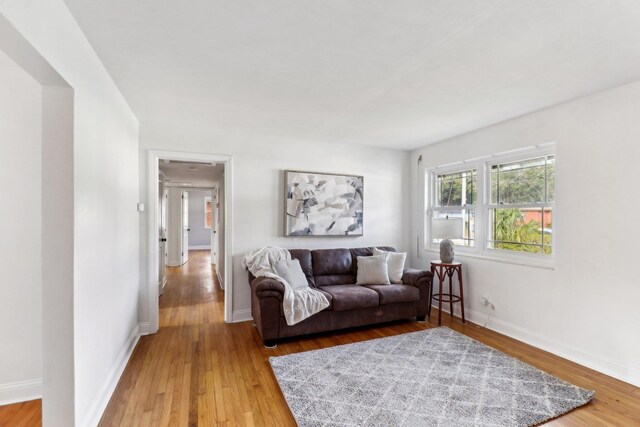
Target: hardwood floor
[[197, 370], [200, 371], [23, 414]]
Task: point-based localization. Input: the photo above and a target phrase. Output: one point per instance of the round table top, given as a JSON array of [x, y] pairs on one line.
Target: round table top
[[452, 264]]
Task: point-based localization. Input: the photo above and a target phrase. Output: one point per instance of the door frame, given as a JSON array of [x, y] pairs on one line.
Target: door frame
[[153, 157]]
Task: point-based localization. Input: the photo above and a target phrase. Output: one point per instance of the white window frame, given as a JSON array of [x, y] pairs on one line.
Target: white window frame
[[432, 197], [483, 205], [209, 198]]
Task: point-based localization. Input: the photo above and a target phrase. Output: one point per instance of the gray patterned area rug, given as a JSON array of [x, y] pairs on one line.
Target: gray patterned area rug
[[435, 377]]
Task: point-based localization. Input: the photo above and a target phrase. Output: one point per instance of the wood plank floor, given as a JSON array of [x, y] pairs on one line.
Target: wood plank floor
[[199, 371], [23, 414]]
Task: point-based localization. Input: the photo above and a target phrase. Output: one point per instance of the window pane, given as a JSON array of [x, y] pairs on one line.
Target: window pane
[[521, 230], [527, 181], [468, 225], [457, 189]]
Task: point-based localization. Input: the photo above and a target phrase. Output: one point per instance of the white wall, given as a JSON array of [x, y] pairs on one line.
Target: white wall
[[20, 228], [198, 235], [56, 238], [106, 276], [587, 308], [58, 216], [258, 186]]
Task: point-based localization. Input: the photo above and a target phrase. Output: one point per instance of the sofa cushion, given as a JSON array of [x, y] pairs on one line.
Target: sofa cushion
[[335, 279], [331, 261], [356, 252], [372, 270], [395, 263], [393, 293], [304, 256], [351, 297]]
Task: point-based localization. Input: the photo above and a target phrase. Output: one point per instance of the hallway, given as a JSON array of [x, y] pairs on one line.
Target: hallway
[[197, 370]]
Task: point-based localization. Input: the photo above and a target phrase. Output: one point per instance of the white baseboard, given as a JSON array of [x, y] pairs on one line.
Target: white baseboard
[[596, 362], [241, 315], [20, 391], [199, 248], [144, 328], [101, 400]]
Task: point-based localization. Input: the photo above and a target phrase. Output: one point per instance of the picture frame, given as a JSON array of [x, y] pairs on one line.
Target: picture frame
[[323, 204]]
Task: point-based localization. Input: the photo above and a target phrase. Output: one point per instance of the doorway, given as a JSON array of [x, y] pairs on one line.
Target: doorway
[[189, 218]]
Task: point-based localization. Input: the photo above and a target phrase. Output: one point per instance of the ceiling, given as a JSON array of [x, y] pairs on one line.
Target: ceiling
[[195, 174], [397, 74]]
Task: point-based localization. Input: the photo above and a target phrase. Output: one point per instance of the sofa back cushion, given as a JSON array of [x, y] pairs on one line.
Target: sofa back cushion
[[325, 267], [333, 267]]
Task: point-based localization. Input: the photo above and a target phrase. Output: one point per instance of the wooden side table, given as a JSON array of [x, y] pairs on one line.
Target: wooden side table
[[442, 270]]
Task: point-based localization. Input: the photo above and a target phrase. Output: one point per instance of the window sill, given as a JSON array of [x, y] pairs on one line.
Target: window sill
[[545, 264]]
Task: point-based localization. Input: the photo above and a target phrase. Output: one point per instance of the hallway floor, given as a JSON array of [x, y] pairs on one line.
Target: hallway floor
[[197, 370]]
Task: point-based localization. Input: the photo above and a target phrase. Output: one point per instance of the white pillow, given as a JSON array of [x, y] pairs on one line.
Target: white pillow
[[372, 270], [395, 264], [291, 271]]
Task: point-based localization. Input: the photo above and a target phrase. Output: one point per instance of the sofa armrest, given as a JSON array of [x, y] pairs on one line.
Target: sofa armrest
[[413, 277], [421, 279], [266, 304], [265, 287]]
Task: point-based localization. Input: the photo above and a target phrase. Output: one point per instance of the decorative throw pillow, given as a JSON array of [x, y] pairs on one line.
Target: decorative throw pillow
[[372, 270], [395, 264], [291, 271]]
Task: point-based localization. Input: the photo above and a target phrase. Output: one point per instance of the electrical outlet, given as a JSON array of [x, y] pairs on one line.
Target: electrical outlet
[[487, 303]]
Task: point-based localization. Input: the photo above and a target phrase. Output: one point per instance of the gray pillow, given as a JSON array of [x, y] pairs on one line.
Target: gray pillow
[[291, 271], [372, 270]]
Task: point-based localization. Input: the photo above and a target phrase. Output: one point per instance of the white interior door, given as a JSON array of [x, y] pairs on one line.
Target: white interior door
[[185, 226], [162, 233], [214, 227], [175, 228]]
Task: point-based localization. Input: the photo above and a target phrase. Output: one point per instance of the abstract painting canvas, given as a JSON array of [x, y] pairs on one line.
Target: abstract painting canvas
[[320, 204]]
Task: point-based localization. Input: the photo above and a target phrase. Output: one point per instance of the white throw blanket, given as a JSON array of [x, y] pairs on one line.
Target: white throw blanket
[[297, 304]]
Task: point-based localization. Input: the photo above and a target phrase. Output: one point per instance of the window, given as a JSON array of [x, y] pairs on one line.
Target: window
[[503, 205], [521, 208], [455, 196], [208, 212]]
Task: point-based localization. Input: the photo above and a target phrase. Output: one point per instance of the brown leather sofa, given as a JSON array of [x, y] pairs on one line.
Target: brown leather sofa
[[333, 272]]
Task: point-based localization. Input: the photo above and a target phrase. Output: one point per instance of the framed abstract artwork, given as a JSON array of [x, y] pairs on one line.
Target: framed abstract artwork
[[323, 204]]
